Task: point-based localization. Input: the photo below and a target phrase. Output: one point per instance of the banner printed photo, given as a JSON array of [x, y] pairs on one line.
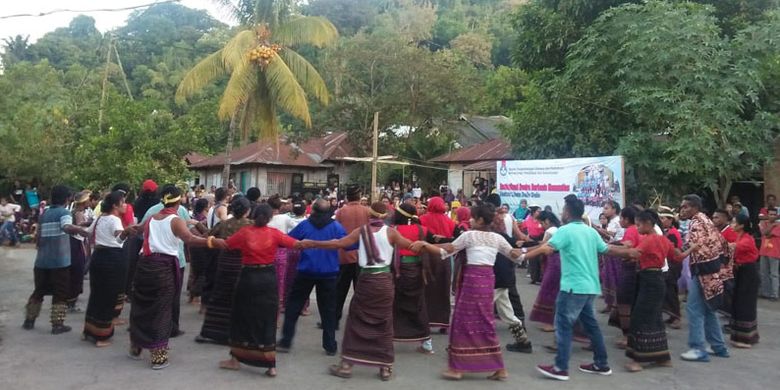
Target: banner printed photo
[[546, 182]]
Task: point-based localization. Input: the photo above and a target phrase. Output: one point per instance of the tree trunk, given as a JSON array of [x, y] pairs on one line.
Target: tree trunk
[[228, 151], [724, 187]]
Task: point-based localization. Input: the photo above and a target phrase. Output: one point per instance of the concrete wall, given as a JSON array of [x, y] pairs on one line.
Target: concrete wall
[[258, 175]]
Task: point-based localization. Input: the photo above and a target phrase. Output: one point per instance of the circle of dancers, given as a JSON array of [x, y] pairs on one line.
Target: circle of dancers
[[253, 262]]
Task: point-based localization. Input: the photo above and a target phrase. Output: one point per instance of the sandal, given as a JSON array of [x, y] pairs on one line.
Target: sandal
[[452, 375], [340, 371], [500, 375], [385, 373]]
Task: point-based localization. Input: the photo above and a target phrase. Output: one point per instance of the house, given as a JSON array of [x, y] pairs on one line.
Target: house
[[478, 161], [281, 168]]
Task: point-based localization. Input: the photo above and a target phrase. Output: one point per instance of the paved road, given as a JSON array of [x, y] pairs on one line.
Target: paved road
[[38, 360]]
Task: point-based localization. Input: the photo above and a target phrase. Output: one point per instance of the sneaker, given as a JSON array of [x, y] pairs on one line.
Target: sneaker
[[594, 369], [59, 329], [28, 324], [694, 355], [518, 347], [723, 354], [328, 353], [160, 366], [553, 373], [133, 355]]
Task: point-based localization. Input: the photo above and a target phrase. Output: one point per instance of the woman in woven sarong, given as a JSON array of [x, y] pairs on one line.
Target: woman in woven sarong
[[610, 266], [744, 326], [284, 223], [107, 270], [412, 271], [368, 335], [216, 323], [157, 278], [256, 299], [621, 313], [474, 345], [544, 308], [647, 341]]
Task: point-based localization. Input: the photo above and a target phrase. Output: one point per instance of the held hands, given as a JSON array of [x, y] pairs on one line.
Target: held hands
[[634, 253], [304, 244], [418, 246]]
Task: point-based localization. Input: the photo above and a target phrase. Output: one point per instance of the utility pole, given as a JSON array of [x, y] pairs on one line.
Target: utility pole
[[375, 158]]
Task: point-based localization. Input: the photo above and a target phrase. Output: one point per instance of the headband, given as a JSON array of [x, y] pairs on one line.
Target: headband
[[168, 199], [377, 215], [404, 213]]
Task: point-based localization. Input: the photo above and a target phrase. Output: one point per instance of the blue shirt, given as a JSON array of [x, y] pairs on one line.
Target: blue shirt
[[579, 246], [183, 214], [318, 263], [53, 242]]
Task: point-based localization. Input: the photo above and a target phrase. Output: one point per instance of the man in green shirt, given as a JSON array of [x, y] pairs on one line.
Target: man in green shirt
[[579, 246]]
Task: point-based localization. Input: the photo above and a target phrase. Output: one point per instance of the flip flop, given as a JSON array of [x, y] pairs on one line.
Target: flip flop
[[339, 371]]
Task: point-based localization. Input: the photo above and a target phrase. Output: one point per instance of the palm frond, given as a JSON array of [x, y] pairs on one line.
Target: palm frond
[[306, 74], [306, 30], [236, 49], [285, 90], [241, 85], [265, 117], [202, 74]]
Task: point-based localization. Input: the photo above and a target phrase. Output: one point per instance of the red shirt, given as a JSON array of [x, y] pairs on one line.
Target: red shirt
[[258, 244], [532, 227], [655, 248], [411, 233], [631, 235], [129, 216], [770, 246], [674, 236], [729, 234], [746, 251]]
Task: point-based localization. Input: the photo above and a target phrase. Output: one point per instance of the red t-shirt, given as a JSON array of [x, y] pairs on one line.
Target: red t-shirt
[[655, 248], [674, 236], [411, 233], [129, 216], [729, 234], [532, 227], [631, 235], [770, 246], [258, 244], [746, 251]]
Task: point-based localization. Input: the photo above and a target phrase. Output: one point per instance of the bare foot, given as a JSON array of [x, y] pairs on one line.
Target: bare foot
[[119, 321], [741, 345], [101, 344], [271, 373], [231, 364], [633, 367], [667, 363], [547, 328]]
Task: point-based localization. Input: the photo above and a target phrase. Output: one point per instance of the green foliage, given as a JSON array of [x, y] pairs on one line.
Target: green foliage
[[659, 84]]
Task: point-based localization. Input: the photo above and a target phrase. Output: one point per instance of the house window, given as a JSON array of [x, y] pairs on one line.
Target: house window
[[278, 183]]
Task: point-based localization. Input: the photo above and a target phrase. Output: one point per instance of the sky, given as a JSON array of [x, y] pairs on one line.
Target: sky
[[37, 26]]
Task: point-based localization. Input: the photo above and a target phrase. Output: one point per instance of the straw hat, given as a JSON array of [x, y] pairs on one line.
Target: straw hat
[[665, 211], [82, 196]]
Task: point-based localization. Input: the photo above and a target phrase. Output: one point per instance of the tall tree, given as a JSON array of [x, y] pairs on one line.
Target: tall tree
[[266, 74]]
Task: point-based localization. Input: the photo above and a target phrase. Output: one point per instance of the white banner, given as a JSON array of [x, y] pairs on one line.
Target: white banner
[[546, 182]]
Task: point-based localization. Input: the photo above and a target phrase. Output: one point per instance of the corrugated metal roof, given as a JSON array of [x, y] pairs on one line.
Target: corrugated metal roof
[[312, 153], [492, 150]]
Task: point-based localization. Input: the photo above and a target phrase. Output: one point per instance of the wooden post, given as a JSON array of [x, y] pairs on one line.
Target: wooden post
[[375, 158]]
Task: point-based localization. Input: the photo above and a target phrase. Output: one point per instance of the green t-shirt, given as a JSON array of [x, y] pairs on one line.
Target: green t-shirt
[[579, 246]]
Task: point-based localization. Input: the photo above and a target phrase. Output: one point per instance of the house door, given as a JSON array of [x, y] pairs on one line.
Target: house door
[[244, 181]]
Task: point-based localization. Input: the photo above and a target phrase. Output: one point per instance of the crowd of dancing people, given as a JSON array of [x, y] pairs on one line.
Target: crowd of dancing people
[[415, 266]]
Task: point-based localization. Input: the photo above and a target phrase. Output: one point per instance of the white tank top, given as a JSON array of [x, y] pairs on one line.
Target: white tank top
[[382, 245], [161, 237]]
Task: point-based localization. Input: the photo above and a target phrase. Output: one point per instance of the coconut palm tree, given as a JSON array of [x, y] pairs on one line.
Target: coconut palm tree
[[266, 74]]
